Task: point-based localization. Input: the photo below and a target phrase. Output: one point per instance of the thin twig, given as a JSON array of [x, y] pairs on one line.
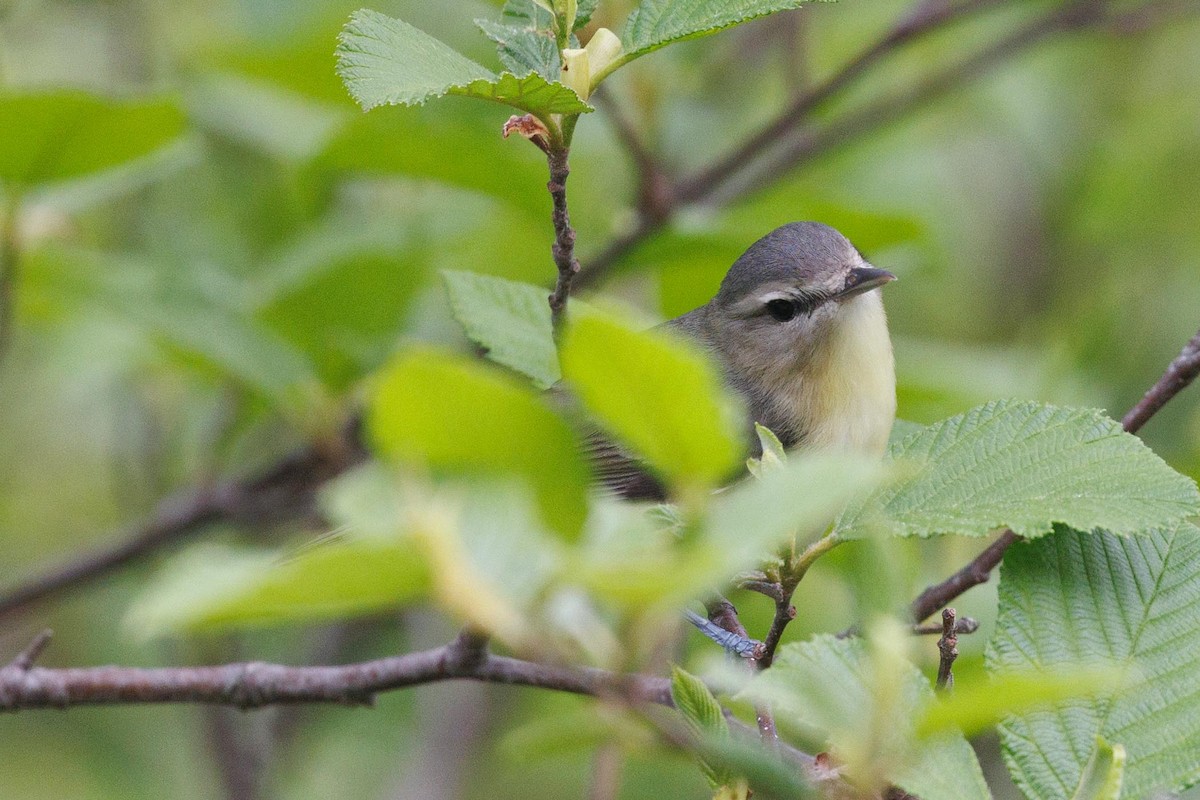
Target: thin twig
[[1178, 375], [961, 625], [257, 684], [723, 613], [926, 17], [1182, 371], [564, 235], [947, 651], [25, 659]]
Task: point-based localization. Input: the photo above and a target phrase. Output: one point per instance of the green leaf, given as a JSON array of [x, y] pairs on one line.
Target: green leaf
[[657, 23], [836, 690], [509, 320], [703, 715], [1104, 773], [57, 136], [482, 162], [385, 61], [1026, 466], [773, 455], [584, 12], [216, 587], [800, 499], [657, 393], [522, 49], [697, 703], [1074, 598], [455, 415]]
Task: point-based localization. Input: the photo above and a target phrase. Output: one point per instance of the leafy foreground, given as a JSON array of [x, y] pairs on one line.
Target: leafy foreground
[[1075, 598]]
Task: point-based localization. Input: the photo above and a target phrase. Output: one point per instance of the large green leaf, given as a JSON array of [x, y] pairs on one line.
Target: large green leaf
[[1074, 598], [212, 586], [657, 393], [1027, 466], [509, 320], [838, 691], [657, 23], [386, 61], [456, 415], [56, 136]]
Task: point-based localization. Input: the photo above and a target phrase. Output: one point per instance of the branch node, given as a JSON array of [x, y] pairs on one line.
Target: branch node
[[531, 128], [948, 651]]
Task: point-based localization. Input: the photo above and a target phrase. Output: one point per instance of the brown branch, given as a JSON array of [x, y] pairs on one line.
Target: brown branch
[[721, 612], [283, 492], [926, 17], [564, 235], [947, 651], [1182, 371], [257, 684], [1178, 375]]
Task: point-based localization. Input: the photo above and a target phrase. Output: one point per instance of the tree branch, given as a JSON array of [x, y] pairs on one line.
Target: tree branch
[[782, 145], [1179, 374], [256, 684], [283, 492], [947, 651], [564, 235]]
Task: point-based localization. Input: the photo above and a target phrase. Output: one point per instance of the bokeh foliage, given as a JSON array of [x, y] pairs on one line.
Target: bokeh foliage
[[206, 308]]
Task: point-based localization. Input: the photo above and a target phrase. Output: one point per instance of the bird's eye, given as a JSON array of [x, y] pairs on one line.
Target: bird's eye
[[781, 310]]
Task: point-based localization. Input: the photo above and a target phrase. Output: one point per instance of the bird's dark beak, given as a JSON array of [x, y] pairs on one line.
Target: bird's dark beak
[[864, 279]]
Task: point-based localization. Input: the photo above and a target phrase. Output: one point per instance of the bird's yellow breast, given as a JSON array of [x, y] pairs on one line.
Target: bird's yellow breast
[[846, 397]]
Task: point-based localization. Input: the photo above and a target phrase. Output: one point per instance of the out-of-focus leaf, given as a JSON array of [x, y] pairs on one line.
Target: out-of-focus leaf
[[510, 320], [462, 148], [1075, 598], [215, 587], [56, 136], [800, 498], [657, 23], [455, 415], [1104, 773], [973, 708], [385, 61], [658, 394], [342, 296], [833, 689], [1027, 466]]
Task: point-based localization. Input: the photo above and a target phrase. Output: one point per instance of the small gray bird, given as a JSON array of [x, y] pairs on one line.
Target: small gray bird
[[800, 333]]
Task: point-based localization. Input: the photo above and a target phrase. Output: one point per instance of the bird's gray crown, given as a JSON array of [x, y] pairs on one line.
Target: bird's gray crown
[[799, 254]]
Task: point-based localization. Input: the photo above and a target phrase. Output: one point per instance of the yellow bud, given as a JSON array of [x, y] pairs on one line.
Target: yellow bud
[[576, 71], [603, 49]]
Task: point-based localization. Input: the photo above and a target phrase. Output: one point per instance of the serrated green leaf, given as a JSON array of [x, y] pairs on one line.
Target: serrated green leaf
[[1026, 466], [61, 135], [697, 703], [386, 61], [510, 320], [1104, 773], [657, 393], [657, 23], [829, 688], [1074, 598], [215, 587], [456, 415], [522, 49], [703, 715]]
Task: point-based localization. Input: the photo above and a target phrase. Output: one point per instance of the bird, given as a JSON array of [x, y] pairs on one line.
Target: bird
[[798, 330]]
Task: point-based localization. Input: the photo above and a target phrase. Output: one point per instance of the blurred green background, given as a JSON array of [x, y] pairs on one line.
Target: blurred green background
[[205, 309]]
